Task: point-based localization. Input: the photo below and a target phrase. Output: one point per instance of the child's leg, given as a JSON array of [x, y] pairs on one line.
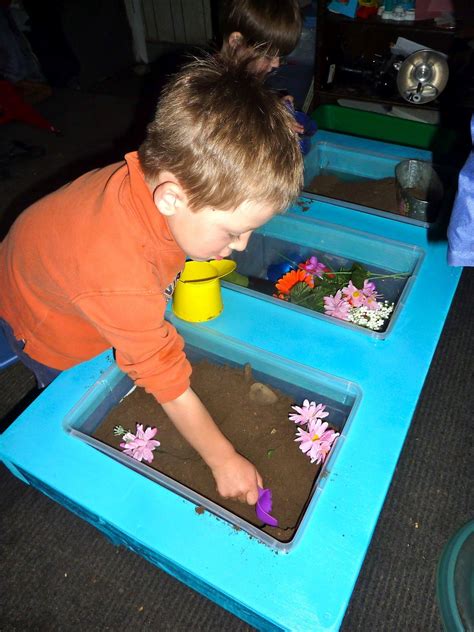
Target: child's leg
[[44, 374]]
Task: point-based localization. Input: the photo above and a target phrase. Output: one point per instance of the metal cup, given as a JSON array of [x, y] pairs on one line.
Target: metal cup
[[419, 189]]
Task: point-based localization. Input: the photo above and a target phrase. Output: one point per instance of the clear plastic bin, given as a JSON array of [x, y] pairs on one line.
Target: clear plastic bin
[[295, 380], [286, 236], [352, 163]]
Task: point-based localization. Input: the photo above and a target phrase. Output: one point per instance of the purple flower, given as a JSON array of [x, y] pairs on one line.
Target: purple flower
[[140, 446], [370, 293], [313, 266], [316, 441], [308, 412], [336, 306], [369, 288]]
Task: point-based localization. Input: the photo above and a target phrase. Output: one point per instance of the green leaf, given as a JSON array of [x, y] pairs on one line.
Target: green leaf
[[304, 296], [359, 275], [300, 292]]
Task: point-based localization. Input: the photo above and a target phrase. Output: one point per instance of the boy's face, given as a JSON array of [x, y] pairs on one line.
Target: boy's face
[[211, 233], [263, 64]]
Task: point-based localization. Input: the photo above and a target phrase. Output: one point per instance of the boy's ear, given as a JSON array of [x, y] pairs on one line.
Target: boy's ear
[[169, 197], [236, 40]]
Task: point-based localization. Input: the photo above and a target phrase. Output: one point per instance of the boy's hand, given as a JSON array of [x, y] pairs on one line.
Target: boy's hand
[[289, 101], [237, 478], [299, 129]]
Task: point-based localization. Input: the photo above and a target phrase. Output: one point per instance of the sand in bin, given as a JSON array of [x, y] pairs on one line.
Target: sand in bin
[[262, 433], [379, 194]]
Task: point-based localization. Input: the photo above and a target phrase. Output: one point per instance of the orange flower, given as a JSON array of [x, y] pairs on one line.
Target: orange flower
[[290, 279]]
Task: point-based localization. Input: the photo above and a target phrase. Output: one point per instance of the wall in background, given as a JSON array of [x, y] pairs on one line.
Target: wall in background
[[177, 21]]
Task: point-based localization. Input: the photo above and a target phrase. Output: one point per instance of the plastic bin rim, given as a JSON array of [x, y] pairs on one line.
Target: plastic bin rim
[[354, 150], [349, 385], [295, 217]]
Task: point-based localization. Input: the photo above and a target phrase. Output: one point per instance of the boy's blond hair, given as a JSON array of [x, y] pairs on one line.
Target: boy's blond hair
[[273, 25], [226, 138]]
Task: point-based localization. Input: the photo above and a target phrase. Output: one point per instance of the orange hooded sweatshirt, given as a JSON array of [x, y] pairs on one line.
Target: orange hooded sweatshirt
[[91, 266]]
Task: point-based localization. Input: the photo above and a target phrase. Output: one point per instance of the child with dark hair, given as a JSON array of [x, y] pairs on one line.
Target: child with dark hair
[[271, 27], [264, 31]]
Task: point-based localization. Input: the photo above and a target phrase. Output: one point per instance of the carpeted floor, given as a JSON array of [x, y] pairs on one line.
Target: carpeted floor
[[431, 495], [59, 573]]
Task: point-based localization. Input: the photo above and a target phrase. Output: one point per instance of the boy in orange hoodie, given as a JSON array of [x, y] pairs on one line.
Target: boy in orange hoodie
[[92, 265]]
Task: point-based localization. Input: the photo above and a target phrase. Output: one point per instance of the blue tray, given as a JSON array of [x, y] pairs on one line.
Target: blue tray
[[295, 380], [355, 159], [290, 237]]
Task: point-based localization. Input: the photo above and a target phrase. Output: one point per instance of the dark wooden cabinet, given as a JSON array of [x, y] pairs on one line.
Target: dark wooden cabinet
[[350, 57]]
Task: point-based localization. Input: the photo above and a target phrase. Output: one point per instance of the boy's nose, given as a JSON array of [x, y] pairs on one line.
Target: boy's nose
[[241, 243]]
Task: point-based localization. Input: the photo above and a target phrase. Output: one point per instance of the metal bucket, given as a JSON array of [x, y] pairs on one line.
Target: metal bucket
[[419, 189]]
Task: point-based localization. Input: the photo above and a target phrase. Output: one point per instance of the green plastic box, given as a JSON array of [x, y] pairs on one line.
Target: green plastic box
[[386, 128]]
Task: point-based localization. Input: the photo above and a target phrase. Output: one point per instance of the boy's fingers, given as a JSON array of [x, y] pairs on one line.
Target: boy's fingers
[[252, 497]]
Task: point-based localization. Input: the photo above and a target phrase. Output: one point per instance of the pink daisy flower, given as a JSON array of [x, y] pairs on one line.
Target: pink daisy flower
[[308, 412], [140, 446], [352, 294], [371, 303], [336, 306], [316, 441]]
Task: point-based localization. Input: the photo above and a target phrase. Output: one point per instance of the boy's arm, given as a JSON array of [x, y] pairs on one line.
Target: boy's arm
[[150, 350], [235, 476]]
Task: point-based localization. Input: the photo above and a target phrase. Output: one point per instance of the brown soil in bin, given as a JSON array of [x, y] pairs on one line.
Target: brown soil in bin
[[262, 433], [379, 194]]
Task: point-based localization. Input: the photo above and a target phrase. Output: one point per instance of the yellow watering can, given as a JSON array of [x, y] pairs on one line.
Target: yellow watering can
[[197, 295]]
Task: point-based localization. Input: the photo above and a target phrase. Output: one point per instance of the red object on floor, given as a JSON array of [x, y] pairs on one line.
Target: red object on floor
[[14, 108]]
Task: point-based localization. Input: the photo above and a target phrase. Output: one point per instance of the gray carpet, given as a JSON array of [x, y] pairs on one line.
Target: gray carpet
[[59, 573], [431, 495]]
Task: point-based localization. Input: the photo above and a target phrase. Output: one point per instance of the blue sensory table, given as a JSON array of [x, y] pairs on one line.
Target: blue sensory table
[[309, 587]]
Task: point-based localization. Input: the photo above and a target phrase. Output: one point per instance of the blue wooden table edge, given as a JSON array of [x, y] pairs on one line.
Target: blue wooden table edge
[[310, 587]]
